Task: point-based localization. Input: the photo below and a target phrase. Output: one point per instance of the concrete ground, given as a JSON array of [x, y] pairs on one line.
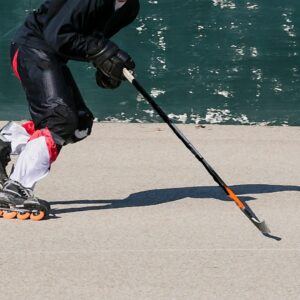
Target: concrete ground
[[137, 217]]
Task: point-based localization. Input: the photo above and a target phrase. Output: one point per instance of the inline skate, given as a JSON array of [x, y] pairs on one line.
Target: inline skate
[[18, 201]]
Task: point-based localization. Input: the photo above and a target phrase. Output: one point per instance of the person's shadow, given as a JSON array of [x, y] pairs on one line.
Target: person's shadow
[[159, 196]]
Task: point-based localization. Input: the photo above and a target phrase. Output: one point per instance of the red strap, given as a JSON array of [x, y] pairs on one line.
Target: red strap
[[51, 145], [15, 65], [29, 127]]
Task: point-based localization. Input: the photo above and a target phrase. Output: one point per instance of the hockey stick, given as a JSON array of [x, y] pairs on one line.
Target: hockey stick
[[261, 225]]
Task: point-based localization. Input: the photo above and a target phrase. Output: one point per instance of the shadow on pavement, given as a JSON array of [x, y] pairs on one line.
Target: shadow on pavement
[[159, 196]]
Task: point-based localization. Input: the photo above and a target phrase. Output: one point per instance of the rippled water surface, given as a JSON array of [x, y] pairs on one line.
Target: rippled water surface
[[205, 61]]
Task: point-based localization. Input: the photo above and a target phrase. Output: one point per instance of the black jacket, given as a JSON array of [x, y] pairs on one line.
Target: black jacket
[[71, 28]]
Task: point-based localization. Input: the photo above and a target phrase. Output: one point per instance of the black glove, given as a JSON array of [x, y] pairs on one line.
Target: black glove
[[111, 60], [105, 81]]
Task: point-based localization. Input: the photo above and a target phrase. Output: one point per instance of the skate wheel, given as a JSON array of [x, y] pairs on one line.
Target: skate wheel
[[9, 214], [23, 215], [1, 213], [38, 215]]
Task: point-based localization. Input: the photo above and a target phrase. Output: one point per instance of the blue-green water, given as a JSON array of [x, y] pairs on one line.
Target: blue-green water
[[207, 61]]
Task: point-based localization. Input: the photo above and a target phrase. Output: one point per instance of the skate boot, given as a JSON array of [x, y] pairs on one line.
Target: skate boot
[[5, 150], [18, 201]]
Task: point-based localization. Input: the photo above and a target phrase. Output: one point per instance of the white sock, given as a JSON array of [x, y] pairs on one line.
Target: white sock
[[33, 163]]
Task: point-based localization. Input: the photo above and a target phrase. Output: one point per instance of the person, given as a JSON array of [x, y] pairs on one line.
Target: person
[[59, 31]]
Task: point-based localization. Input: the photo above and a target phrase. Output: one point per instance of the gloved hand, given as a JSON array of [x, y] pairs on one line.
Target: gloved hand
[[105, 81], [111, 60]]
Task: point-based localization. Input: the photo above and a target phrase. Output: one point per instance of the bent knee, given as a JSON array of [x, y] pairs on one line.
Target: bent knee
[[62, 122]]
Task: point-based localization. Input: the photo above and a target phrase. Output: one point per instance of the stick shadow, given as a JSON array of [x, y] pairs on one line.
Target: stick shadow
[[160, 196]]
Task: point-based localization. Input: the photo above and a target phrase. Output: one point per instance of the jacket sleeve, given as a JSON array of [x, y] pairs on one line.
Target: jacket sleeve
[[64, 31]]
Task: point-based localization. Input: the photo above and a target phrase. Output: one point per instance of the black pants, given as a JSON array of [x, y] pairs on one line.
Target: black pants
[[53, 97]]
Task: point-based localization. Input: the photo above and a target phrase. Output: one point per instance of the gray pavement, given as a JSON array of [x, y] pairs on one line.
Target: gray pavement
[[137, 217]]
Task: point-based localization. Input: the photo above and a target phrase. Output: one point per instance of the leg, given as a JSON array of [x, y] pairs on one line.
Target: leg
[[13, 139], [5, 149], [54, 103], [55, 109], [18, 135]]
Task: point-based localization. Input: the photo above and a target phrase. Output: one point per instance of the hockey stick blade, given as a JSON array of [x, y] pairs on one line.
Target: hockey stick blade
[[261, 226]]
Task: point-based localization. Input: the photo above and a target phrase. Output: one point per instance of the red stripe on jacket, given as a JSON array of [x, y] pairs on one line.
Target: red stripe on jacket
[[15, 65]]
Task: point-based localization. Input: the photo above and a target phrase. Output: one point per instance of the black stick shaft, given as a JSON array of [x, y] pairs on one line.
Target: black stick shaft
[[242, 205], [179, 134]]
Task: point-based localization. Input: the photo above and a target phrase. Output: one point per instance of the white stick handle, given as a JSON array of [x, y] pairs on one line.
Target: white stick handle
[[128, 75]]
